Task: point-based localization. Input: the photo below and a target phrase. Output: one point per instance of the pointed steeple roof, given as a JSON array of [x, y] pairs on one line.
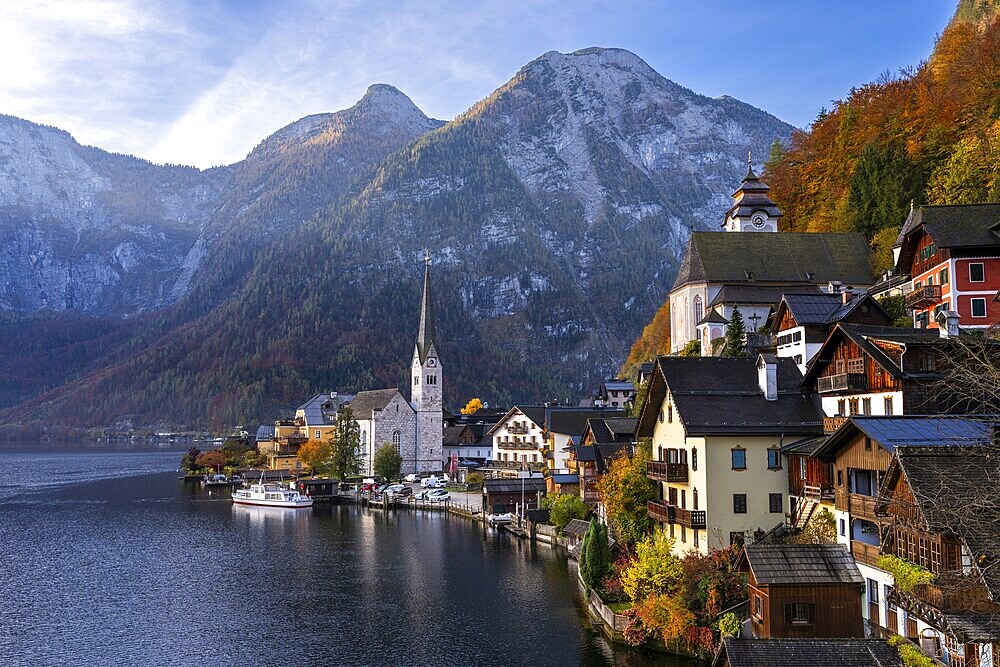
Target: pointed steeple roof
[[752, 196], [425, 335]]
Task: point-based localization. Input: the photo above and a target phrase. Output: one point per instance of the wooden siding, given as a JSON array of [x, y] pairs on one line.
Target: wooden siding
[[856, 456], [878, 379], [818, 474], [787, 321], [835, 611]]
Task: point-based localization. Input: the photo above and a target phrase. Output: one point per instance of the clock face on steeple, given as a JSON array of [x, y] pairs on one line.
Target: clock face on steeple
[[758, 220], [431, 362]]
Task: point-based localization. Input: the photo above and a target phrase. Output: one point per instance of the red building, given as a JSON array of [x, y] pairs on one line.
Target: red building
[[952, 255]]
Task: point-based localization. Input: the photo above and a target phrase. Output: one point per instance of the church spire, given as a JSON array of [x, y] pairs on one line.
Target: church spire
[[425, 335]]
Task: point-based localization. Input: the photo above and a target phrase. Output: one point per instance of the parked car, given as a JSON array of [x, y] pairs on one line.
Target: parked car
[[399, 490], [368, 485], [432, 482], [422, 495], [412, 477], [497, 519], [438, 495]]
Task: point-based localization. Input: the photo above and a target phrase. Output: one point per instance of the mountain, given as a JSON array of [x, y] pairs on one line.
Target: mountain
[[555, 211]]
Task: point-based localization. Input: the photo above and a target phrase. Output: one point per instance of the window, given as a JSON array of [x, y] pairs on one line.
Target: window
[[661, 416], [432, 379], [800, 613], [684, 537], [695, 498], [841, 407], [868, 444], [977, 272], [888, 405], [671, 531], [694, 458], [930, 280], [758, 606], [318, 434], [396, 440], [699, 309], [773, 458], [852, 405], [872, 591], [684, 499], [843, 528], [803, 468], [943, 276], [774, 503], [416, 380], [797, 358], [739, 503], [739, 457], [695, 538], [866, 406], [670, 413], [855, 365], [840, 477], [978, 307]]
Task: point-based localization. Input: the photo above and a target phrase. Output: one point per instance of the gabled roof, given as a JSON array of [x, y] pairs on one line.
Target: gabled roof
[[573, 422], [802, 564], [751, 294], [721, 395], [530, 485], [822, 309], [864, 335], [264, 433], [788, 257], [314, 411], [909, 430], [366, 401], [955, 491], [606, 452], [713, 317], [452, 436], [955, 225], [536, 413], [577, 527], [564, 478], [811, 652]]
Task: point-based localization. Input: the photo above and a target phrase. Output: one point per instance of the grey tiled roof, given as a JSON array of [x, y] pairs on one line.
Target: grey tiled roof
[[366, 401], [811, 652], [788, 257], [576, 527], [531, 485], [954, 226], [749, 293], [776, 564]]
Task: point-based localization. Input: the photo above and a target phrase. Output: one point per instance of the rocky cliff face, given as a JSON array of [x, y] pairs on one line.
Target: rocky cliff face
[[555, 210]]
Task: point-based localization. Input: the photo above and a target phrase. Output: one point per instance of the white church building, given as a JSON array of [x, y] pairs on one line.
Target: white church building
[[415, 427]]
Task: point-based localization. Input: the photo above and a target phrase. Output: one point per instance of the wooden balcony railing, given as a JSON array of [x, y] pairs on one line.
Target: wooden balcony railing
[[847, 382], [667, 513], [817, 491], [511, 444], [667, 472], [831, 424], [921, 297], [591, 496], [861, 506], [517, 428], [865, 553]]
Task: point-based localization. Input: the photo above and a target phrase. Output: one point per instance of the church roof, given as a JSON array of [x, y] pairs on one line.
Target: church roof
[[752, 196], [425, 334], [366, 401], [751, 294], [789, 257]]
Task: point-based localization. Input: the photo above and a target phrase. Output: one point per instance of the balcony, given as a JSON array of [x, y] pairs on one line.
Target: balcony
[[865, 553], [511, 444], [667, 513], [842, 382], [817, 492], [667, 472], [517, 429], [861, 506], [591, 496], [923, 297], [831, 424]]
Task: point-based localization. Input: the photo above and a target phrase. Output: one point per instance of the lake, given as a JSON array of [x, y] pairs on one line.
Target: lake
[[110, 559]]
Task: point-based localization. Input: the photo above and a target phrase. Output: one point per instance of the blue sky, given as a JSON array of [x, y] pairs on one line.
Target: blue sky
[[203, 82]]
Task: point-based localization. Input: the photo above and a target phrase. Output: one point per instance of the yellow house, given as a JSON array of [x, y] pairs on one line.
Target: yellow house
[[717, 426], [316, 419]]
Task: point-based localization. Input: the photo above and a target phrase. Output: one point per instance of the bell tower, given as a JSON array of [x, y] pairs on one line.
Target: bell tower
[[426, 376], [752, 210]]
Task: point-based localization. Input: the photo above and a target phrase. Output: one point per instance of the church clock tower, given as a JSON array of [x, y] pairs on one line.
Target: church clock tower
[[752, 210], [426, 376]]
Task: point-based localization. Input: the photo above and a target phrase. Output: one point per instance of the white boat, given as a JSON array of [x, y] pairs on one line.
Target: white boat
[[271, 495]]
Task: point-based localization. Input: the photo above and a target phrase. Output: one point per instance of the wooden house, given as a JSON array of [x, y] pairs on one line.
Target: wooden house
[[513, 495], [803, 590], [810, 481], [941, 511], [603, 440], [860, 452]]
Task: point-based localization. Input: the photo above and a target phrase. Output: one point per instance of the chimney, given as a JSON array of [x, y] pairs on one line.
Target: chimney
[[947, 321], [846, 296], [767, 376]]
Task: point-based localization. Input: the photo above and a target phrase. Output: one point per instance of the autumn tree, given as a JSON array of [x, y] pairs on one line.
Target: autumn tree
[[212, 459], [473, 406], [316, 454], [654, 340], [735, 346], [625, 490], [345, 457], [654, 570], [387, 463], [189, 462]]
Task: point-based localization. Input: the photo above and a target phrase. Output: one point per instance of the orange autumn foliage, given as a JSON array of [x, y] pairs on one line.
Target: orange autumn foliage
[[654, 340]]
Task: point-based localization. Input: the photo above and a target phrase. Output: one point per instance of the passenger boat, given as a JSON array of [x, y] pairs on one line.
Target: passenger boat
[[271, 495]]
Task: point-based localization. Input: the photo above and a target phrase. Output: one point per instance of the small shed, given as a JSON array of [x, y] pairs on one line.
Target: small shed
[[575, 530], [510, 495], [803, 590], [320, 489]]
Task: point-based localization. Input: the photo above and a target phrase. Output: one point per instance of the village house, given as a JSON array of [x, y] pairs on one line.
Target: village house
[[466, 444], [615, 393], [941, 511], [603, 440], [877, 370], [803, 590], [717, 427], [752, 267], [860, 453], [516, 495], [952, 257], [564, 428], [518, 436], [801, 323]]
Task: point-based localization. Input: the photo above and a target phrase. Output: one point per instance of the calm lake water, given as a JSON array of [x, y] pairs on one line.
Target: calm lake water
[[109, 559]]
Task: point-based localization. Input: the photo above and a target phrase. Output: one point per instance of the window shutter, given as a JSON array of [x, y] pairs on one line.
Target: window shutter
[[788, 613]]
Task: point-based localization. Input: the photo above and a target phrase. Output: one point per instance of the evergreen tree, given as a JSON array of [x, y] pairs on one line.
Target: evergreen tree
[[882, 187], [595, 555], [735, 346], [345, 459], [387, 463]]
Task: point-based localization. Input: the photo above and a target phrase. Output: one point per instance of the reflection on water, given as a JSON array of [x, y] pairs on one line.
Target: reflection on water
[[143, 570]]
